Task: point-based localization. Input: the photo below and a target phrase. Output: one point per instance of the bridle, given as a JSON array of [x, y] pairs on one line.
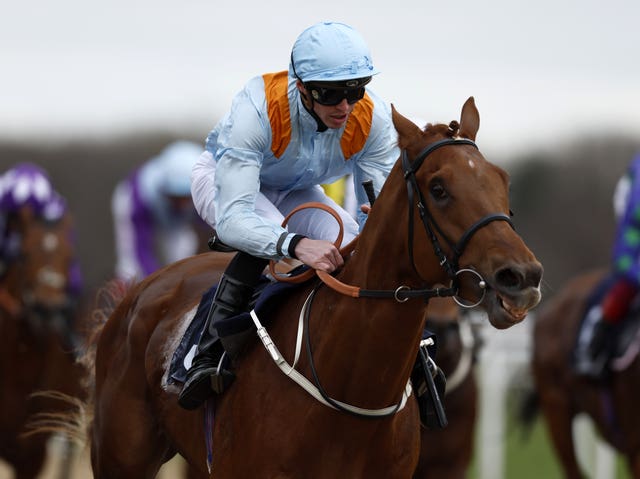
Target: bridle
[[428, 221], [404, 293]]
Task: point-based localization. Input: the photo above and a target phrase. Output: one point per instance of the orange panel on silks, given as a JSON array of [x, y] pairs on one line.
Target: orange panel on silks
[[355, 133]]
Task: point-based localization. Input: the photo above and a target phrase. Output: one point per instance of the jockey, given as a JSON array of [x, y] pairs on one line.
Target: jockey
[[625, 275], [27, 184], [155, 222], [285, 135]]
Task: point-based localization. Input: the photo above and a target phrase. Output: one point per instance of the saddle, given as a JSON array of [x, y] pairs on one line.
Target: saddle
[[266, 296], [625, 344]]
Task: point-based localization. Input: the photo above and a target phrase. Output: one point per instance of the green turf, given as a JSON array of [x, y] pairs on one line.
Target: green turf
[[531, 457]]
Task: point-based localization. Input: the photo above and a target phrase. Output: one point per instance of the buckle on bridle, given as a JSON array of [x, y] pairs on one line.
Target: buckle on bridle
[[398, 290]]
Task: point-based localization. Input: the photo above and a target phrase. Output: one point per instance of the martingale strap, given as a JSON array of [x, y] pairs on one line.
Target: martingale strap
[[317, 392]]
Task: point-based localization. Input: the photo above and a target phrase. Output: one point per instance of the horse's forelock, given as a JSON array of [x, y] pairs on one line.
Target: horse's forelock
[[442, 129]]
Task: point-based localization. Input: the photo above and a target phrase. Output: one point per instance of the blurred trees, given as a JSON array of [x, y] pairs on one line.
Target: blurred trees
[[561, 197], [562, 201]]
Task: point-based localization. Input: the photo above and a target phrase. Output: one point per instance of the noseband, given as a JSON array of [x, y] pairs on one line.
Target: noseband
[[430, 224]]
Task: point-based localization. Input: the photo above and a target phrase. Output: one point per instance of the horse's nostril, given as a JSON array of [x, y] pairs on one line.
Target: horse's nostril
[[508, 278], [517, 278]]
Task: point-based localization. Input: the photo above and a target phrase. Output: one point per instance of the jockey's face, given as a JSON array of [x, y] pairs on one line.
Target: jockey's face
[[334, 116]]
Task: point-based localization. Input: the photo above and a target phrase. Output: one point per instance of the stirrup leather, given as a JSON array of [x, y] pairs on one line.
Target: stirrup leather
[[432, 414]]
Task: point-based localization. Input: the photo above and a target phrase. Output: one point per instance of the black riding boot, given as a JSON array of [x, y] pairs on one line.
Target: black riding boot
[[599, 348], [208, 374]]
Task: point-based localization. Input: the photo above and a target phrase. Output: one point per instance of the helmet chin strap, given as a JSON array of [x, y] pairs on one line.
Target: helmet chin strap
[[304, 99], [321, 126]]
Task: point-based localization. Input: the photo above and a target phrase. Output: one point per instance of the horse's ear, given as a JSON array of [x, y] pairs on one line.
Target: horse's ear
[[469, 119], [407, 130]]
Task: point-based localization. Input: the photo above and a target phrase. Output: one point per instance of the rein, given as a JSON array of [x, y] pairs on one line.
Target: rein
[[403, 293]]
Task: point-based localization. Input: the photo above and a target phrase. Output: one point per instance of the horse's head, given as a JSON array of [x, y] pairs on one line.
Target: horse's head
[[38, 276], [460, 219]]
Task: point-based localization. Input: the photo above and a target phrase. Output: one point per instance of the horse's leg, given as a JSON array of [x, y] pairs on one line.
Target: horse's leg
[[67, 453], [559, 418], [125, 439]]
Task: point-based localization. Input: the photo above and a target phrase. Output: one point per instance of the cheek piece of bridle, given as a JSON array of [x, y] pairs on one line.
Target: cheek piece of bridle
[[450, 265]]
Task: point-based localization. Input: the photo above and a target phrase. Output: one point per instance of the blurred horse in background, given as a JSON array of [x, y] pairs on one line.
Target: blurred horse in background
[[448, 452], [361, 329], [561, 394], [36, 347]]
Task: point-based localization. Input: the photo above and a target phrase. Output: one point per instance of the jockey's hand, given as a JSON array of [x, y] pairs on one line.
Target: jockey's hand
[[365, 208], [319, 254]]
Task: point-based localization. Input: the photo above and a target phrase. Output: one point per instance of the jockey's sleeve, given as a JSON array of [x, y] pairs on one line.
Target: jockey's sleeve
[[626, 251], [234, 158], [378, 156]]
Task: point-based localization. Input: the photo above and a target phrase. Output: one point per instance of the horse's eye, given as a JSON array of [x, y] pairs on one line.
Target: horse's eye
[[437, 191]]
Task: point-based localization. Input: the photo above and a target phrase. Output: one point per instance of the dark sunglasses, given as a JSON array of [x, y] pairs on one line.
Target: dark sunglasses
[[331, 96]]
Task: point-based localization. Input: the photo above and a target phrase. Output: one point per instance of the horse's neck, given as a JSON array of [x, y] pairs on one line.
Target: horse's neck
[[368, 338], [382, 259]]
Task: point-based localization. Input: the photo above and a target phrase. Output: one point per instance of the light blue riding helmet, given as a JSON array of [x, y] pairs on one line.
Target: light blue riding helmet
[[330, 52], [176, 162]]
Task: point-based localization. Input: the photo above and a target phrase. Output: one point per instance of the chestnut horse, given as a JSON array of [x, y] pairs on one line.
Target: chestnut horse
[[35, 354], [448, 452], [442, 216], [562, 394]]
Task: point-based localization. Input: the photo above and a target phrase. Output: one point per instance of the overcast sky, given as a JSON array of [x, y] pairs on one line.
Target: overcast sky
[[539, 71]]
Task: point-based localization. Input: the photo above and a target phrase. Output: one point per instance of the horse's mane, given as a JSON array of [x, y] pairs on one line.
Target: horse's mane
[[108, 298]]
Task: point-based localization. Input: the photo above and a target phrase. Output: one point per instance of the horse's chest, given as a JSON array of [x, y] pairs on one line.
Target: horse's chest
[[306, 442]]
